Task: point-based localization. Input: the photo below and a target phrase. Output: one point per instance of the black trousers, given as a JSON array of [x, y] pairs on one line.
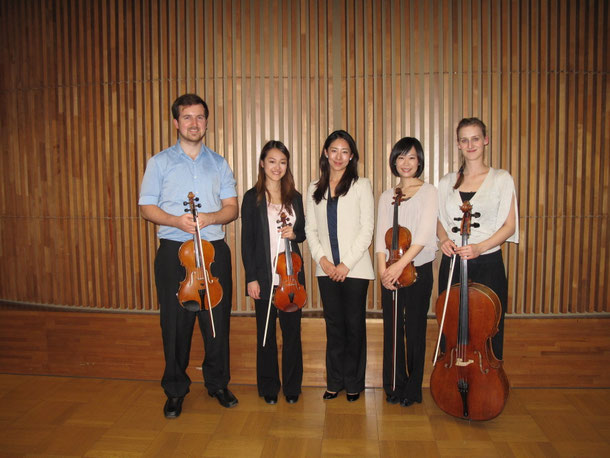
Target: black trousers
[[177, 323], [488, 270], [412, 321], [267, 370], [345, 315]]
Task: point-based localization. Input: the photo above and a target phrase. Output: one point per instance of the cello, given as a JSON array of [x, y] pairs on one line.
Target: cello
[[398, 241], [199, 288], [468, 381], [290, 295]]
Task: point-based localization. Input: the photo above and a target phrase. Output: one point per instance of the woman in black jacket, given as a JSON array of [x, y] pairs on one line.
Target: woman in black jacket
[[273, 194]]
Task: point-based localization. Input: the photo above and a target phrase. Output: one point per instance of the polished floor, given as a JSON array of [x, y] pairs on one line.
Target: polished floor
[[64, 416]]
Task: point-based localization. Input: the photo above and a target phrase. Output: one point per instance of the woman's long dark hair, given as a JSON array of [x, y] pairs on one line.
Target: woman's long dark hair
[[286, 184], [466, 122], [349, 176]]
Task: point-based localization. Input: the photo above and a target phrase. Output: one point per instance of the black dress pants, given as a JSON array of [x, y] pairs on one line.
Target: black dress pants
[[267, 369], [488, 270], [177, 323], [412, 321], [345, 315]]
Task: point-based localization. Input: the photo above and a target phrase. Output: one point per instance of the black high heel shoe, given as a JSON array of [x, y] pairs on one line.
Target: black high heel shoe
[[351, 397], [330, 395]]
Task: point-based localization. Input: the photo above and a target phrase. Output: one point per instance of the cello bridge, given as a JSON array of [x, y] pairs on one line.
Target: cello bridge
[[458, 360], [462, 362]]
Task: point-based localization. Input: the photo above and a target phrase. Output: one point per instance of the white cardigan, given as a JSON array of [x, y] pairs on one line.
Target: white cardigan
[[355, 225], [492, 201]]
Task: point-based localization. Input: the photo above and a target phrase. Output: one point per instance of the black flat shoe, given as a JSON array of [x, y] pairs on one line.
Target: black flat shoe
[[330, 395], [270, 399], [352, 397], [292, 399], [173, 407], [392, 399], [225, 398], [406, 402]]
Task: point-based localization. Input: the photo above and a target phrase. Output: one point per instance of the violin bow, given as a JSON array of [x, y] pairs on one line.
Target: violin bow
[[205, 276], [440, 330], [401, 198], [395, 323], [277, 253]]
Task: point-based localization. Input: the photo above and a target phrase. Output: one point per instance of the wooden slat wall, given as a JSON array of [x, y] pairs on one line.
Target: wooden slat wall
[[86, 88]]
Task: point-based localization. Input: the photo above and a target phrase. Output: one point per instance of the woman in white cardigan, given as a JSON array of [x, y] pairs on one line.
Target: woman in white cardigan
[[492, 194], [339, 227]]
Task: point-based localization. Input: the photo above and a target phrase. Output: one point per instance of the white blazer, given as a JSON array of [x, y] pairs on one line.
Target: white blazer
[[355, 226]]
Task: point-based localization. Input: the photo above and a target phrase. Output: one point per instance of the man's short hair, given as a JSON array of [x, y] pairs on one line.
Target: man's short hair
[[187, 100]]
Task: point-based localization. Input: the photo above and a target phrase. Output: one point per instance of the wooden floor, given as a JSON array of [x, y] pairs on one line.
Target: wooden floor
[[64, 416], [86, 384]]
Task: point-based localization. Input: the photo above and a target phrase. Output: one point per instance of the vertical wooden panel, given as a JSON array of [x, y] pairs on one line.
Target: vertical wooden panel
[[86, 89]]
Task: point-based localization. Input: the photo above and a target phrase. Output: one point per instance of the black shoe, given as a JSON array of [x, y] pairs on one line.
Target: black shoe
[[406, 402], [270, 399], [173, 407], [392, 399], [352, 397], [292, 399], [225, 398], [330, 395]]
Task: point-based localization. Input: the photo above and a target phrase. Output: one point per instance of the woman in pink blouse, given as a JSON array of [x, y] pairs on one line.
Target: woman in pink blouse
[[402, 379]]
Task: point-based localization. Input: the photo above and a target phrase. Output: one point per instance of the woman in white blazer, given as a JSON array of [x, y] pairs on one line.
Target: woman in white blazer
[[339, 227]]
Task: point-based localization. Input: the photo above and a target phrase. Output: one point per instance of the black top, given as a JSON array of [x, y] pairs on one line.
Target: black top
[[255, 249], [331, 217], [467, 196]]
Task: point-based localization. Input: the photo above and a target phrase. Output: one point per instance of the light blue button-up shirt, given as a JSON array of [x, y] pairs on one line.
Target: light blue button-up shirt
[[171, 174]]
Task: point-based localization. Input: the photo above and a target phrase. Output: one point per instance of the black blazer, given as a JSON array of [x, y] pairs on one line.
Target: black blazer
[[255, 249]]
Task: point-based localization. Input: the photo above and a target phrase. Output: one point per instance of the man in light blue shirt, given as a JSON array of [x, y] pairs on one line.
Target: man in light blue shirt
[[190, 166]]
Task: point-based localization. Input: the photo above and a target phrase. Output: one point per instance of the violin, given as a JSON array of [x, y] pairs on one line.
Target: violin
[[397, 242], [199, 289], [290, 295], [468, 381]]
